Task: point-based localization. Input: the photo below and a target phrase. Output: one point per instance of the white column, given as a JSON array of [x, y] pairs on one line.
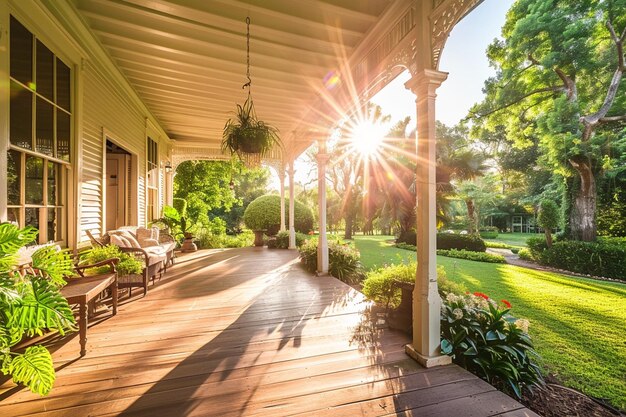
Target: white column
[[281, 178], [426, 302], [292, 199], [322, 244]]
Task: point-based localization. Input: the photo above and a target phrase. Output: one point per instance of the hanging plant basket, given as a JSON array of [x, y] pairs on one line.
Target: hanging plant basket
[[246, 135]]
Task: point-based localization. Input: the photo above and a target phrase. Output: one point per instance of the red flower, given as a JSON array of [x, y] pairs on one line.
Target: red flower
[[480, 294], [506, 303]]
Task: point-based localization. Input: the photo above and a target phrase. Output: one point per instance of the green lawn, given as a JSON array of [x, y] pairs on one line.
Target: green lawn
[[514, 239], [578, 325]]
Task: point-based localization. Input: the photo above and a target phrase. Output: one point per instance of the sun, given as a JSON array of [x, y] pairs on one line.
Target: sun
[[367, 137]]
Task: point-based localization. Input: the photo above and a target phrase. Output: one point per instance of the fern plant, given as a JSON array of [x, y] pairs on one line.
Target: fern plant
[[29, 305]]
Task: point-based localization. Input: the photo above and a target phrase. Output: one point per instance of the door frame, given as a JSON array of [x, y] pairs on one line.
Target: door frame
[[134, 175]]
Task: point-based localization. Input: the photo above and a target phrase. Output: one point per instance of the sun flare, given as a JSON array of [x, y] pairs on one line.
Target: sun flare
[[367, 137]]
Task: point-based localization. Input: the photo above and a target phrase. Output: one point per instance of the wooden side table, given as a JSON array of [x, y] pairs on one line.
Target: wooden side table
[[83, 290]]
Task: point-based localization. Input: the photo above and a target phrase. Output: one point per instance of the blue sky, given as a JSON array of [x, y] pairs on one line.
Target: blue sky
[[463, 58]]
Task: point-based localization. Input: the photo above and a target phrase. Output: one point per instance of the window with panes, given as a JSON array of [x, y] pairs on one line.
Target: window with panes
[[40, 131], [153, 179]]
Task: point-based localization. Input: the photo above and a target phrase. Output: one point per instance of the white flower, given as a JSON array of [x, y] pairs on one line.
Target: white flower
[[458, 313], [522, 324], [452, 298]]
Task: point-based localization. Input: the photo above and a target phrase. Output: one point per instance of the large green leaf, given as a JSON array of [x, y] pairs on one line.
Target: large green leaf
[[34, 369], [56, 264], [12, 238], [42, 308]]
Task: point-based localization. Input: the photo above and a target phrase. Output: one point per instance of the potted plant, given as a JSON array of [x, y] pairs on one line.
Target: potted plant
[[29, 305], [245, 134], [180, 225]]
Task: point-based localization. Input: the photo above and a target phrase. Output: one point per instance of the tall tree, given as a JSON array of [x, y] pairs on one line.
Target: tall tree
[[560, 85]]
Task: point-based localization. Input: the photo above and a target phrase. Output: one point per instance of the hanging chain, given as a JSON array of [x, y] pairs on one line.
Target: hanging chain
[[249, 83]]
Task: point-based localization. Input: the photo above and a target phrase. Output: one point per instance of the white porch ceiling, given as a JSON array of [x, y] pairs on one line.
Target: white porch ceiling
[[186, 58]]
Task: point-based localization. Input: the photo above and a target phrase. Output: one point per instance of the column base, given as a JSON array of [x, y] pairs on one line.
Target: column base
[[292, 247], [427, 361]]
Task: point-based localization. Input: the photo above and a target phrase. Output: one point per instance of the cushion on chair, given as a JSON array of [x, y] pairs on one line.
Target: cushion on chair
[[155, 233], [120, 241], [144, 234], [132, 240], [146, 243]]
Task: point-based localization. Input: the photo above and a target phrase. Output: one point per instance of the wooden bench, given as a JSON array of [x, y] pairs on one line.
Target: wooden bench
[[84, 290]]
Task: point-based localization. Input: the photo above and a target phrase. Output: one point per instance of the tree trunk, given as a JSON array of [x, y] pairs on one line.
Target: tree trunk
[[583, 212], [348, 232], [471, 216], [548, 237]]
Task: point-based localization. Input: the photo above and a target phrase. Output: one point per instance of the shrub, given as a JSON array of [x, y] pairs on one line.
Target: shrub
[[406, 246], [282, 239], [127, 265], [548, 218], [599, 259], [524, 254], [449, 241], [453, 241], [482, 337], [488, 232], [498, 245], [207, 240], [408, 237], [472, 256], [536, 246], [30, 305], [264, 214], [380, 285], [343, 260], [515, 250]]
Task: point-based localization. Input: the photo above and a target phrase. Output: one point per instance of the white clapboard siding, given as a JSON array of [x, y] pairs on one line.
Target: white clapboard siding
[[107, 109]]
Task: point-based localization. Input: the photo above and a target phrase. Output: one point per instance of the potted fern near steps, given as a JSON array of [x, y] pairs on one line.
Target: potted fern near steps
[[245, 135]]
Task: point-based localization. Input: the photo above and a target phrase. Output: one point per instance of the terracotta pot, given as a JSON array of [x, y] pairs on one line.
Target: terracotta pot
[[258, 237], [188, 245]]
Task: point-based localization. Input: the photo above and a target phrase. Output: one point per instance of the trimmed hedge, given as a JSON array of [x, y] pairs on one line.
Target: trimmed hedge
[[590, 258], [467, 242], [264, 214], [488, 232], [344, 261], [447, 241], [472, 256]]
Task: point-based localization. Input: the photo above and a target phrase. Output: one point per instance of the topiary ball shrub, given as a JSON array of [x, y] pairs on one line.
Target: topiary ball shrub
[[462, 242], [264, 214]]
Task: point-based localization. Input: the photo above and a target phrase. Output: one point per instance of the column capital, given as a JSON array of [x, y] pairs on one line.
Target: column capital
[[427, 81], [322, 158]]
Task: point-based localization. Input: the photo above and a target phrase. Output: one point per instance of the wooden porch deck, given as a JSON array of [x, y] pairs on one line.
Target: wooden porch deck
[[248, 332]]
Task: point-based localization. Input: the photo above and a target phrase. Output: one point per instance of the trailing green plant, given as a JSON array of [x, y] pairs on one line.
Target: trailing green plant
[[30, 305], [454, 241], [481, 336], [472, 256], [246, 134], [264, 214], [381, 286], [343, 260], [128, 264]]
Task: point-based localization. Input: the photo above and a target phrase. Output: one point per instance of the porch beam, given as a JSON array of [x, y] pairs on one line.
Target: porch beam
[[426, 302]]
